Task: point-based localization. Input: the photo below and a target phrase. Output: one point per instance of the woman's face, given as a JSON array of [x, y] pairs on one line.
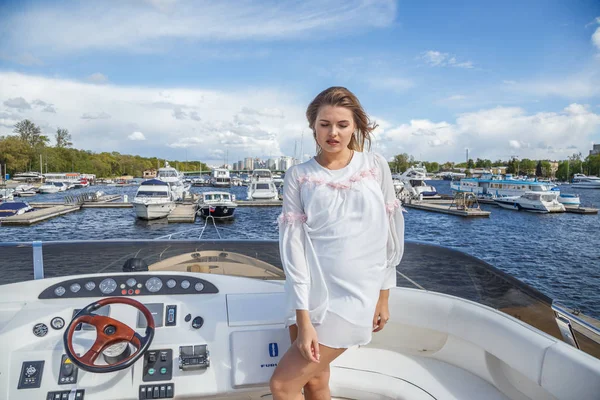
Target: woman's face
[[334, 128]]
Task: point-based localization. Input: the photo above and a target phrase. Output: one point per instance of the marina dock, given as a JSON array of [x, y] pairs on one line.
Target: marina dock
[[40, 215], [446, 207], [581, 210], [185, 212], [259, 203]]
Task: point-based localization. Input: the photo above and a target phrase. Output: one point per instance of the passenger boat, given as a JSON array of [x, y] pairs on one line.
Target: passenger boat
[[533, 202], [117, 320], [492, 186], [219, 205]]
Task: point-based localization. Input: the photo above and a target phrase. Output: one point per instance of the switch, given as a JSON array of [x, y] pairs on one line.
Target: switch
[[163, 356], [169, 391], [163, 392], [152, 357], [65, 396], [143, 393], [156, 392], [79, 394], [171, 318], [188, 318], [151, 371], [163, 370], [68, 369]]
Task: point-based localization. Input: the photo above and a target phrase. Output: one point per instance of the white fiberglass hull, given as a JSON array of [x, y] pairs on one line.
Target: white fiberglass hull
[[569, 200], [49, 190], [150, 211], [262, 195], [587, 185]]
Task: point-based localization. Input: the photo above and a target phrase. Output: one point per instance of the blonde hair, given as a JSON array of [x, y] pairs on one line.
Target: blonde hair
[[338, 96]]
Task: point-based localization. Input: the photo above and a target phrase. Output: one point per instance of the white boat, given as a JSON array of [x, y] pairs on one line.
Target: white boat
[[28, 177], [277, 180], [153, 200], [52, 187], [11, 208], [6, 194], [175, 324], [586, 182], [219, 205], [569, 199], [220, 178], [171, 176], [532, 201], [414, 185], [24, 191], [261, 186], [492, 186]]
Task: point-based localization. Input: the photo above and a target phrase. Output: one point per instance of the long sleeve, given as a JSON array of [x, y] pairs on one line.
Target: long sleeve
[[292, 246], [395, 242]]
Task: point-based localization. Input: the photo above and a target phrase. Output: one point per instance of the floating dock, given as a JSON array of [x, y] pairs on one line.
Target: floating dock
[[259, 203], [444, 207], [185, 212], [581, 210], [40, 215]]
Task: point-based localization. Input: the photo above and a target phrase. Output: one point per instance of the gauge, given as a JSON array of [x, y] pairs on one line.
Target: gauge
[[199, 286], [76, 287], [108, 286], [40, 330], [59, 291], [171, 283], [57, 323], [185, 284], [154, 284], [131, 282], [90, 285]]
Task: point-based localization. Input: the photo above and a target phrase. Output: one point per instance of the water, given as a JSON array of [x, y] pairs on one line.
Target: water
[[557, 254]]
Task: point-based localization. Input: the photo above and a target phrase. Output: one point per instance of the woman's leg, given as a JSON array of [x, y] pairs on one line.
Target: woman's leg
[[295, 372]]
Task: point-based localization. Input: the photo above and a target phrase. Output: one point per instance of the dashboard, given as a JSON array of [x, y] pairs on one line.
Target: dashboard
[[215, 336]]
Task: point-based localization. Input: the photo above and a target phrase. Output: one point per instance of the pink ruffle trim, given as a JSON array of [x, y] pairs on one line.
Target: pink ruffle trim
[[392, 206], [372, 173], [290, 217]]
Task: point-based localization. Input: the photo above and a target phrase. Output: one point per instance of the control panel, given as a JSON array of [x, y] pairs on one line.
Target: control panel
[[74, 394], [31, 374], [162, 391], [158, 365], [68, 371], [194, 357]]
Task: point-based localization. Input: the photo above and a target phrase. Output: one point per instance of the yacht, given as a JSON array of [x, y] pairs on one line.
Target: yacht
[[532, 201], [52, 187], [277, 180], [220, 178], [28, 177], [24, 191], [203, 319], [219, 205], [11, 208], [491, 186], [171, 176], [153, 200], [586, 182], [413, 183], [6, 194], [261, 186], [569, 199]]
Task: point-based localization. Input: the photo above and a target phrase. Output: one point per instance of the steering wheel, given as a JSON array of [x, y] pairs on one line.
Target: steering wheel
[[109, 331]]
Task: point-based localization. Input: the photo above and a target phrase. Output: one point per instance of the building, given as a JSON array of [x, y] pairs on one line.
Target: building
[[285, 163], [595, 150], [248, 163], [272, 164], [149, 173]]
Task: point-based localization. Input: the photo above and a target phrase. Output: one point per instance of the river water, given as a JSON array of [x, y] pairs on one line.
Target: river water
[[558, 254]]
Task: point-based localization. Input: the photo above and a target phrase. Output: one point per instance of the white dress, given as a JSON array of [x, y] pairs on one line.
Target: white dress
[[341, 236]]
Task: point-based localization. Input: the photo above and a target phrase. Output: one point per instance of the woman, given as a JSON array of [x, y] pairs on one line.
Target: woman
[[341, 237]]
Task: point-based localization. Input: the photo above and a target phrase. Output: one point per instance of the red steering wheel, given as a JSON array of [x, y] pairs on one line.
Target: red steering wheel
[[109, 331]]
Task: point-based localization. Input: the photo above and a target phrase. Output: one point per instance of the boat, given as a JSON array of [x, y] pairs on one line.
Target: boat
[[586, 182], [490, 186], [413, 184], [83, 183], [220, 178], [153, 200], [11, 208], [6, 194], [277, 180], [261, 186], [532, 201], [171, 176], [569, 199], [203, 319], [52, 187], [219, 205], [25, 191], [31, 176]]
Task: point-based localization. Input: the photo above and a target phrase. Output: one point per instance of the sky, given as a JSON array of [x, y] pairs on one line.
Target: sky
[[220, 81]]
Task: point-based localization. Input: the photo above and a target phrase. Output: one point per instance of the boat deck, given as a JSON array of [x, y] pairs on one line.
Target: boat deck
[[40, 215]]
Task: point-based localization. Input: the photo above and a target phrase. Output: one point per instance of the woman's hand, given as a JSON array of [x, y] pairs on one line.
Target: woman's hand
[[382, 313], [308, 343]]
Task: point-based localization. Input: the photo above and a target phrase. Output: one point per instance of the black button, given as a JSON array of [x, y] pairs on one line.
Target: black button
[[163, 356], [197, 323], [169, 391], [68, 369], [186, 350], [79, 394], [142, 392], [152, 357], [156, 392], [65, 396], [163, 392], [188, 317]]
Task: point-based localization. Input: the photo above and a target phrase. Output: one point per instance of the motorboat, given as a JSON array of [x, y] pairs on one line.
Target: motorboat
[[153, 200], [12, 208], [52, 187], [171, 176], [569, 199], [277, 180], [490, 186], [261, 186], [31, 176], [83, 183], [203, 319], [219, 205], [586, 182], [6, 194], [220, 178], [532, 201], [414, 185], [25, 191]]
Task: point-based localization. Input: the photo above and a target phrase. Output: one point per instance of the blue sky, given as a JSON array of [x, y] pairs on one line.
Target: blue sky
[[174, 78]]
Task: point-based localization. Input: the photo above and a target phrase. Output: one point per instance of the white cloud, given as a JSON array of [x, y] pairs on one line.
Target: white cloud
[[596, 38], [145, 26], [438, 59], [25, 59], [515, 144], [97, 115], [136, 136], [265, 112], [17, 102], [98, 78]]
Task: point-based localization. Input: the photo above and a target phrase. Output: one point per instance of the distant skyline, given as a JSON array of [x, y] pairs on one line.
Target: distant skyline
[[177, 78]]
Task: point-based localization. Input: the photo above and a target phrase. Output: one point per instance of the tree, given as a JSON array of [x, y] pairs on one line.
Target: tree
[[30, 133], [538, 169], [15, 153], [63, 138], [470, 163], [402, 162]]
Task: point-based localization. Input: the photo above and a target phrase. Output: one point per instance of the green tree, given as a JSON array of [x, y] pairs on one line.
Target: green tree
[[402, 162], [63, 138], [30, 133], [538, 169], [15, 153], [470, 163]]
